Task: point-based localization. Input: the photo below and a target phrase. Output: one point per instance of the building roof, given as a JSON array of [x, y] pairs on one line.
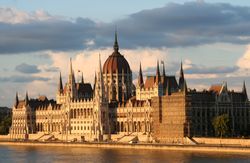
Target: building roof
[[84, 88], [216, 88], [150, 81], [116, 63]]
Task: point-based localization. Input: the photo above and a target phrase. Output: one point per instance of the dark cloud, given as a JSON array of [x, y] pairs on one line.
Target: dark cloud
[[188, 24], [22, 79], [26, 68], [196, 69]]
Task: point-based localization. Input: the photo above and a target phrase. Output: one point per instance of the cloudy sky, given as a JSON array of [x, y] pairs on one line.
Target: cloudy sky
[[37, 38]]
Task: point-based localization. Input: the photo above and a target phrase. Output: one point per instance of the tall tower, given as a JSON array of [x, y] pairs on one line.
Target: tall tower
[[71, 85], [117, 76], [101, 119], [99, 84]]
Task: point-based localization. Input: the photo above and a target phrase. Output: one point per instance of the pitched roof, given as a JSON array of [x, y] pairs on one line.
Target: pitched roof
[[84, 88], [150, 81], [216, 88]]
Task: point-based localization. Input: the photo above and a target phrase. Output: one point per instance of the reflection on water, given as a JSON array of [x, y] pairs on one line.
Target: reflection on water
[[20, 154]]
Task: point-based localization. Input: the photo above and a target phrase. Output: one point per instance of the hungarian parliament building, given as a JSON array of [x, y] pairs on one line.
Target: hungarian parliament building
[[157, 108]]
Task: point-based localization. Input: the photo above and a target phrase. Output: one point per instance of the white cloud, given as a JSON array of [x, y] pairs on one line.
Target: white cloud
[[89, 42], [37, 88], [15, 16], [201, 76], [187, 64], [244, 61], [244, 65], [87, 61]]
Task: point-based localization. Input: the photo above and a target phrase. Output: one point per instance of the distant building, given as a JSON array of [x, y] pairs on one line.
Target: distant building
[[159, 108]]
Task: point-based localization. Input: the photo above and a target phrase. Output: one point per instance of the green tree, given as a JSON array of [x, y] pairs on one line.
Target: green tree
[[5, 125], [221, 125]]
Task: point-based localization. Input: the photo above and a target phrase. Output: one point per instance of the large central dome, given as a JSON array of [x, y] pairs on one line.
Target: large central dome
[[116, 63]]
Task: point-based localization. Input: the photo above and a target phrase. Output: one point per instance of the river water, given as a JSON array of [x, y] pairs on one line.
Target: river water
[[44, 154]]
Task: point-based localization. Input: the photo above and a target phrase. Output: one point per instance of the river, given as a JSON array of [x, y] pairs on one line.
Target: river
[[45, 154]]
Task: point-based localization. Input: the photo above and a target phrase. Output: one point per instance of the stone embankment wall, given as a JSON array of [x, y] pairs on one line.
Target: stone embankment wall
[[192, 148], [223, 141], [4, 137]]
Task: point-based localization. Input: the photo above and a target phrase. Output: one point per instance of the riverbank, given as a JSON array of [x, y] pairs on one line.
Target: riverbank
[[200, 148]]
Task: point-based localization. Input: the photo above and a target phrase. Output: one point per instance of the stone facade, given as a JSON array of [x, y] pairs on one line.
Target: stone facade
[[189, 113], [160, 107]]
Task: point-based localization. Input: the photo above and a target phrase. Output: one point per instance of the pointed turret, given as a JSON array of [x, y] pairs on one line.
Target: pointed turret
[[100, 72], [26, 99], [140, 77], [181, 78], [17, 100], [82, 79], [116, 46], [185, 89], [99, 82], [70, 66], [71, 73], [95, 82], [60, 85], [163, 69], [71, 90], [224, 86], [158, 75], [244, 91]]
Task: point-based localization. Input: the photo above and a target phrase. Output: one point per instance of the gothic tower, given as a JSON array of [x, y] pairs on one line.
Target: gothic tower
[[117, 76]]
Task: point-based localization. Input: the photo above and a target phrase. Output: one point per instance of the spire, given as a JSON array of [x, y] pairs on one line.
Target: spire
[[163, 68], [82, 78], [17, 100], [185, 89], [100, 71], [181, 71], [71, 69], [71, 86], [116, 46], [99, 82], [71, 73], [181, 78], [95, 82], [244, 90], [158, 75], [225, 84], [60, 85], [140, 77], [26, 99]]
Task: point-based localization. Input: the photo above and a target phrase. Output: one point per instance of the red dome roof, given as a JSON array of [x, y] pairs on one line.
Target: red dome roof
[[116, 61]]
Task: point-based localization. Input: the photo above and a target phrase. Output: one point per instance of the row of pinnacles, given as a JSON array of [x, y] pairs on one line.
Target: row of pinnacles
[[159, 85], [115, 106], [113, 85]]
